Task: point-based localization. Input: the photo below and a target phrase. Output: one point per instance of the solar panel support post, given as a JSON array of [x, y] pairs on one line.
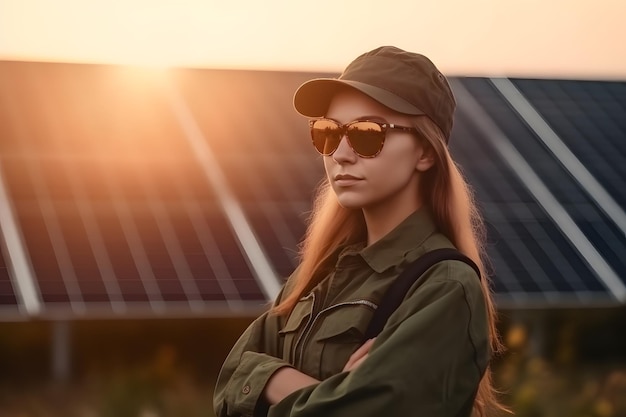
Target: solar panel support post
[[537, 329], [61, 354]]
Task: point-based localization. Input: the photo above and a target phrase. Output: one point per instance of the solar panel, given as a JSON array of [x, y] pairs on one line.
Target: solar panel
[[569, 193], [144, 193], [589, 117], [113, 207], [532, 261], [263, 149]]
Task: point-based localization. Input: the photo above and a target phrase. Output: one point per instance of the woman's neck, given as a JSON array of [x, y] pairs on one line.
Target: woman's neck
[[382, 219]]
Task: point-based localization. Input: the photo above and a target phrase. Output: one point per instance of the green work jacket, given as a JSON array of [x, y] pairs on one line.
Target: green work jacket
[[427, 361]]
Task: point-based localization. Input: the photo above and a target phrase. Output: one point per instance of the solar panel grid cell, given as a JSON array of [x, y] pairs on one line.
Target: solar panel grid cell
[[206, 286], [567, 269], [270, 226]]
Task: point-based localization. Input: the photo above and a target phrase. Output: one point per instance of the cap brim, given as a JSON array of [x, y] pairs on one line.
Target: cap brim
[[313, 97]]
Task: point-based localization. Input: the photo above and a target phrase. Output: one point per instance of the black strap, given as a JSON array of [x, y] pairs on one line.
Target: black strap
[[397, 291]]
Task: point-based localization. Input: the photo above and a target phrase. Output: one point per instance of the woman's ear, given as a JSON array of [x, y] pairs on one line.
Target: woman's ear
[[426, 159]]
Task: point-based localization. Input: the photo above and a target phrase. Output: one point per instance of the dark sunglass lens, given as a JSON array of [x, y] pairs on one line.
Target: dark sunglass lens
[[366, 138], [326, 135]]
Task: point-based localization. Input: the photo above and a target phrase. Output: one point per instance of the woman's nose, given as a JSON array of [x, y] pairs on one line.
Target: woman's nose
[[344, 152]]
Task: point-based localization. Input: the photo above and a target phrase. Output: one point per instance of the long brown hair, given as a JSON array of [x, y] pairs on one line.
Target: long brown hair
[[451, 201]]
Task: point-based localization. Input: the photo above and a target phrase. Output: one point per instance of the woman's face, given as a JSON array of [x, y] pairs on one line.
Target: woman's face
[[387, 183]]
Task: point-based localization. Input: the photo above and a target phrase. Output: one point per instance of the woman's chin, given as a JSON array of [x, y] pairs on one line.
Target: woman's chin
[[351, 202]]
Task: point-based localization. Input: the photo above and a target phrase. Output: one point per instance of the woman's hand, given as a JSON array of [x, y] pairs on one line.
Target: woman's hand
[[284, 382], [358, 356]]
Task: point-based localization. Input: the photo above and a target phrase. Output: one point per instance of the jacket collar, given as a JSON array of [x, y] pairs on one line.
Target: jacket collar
[[391, 250]]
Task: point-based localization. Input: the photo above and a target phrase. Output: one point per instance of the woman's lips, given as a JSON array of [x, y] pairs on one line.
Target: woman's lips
[[345, 180]]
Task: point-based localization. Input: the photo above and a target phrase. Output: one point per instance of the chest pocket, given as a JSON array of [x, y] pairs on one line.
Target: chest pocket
[[340, 334], [294, 327]]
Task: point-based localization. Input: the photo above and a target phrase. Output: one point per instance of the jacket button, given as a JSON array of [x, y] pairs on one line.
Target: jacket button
[[246, 389]]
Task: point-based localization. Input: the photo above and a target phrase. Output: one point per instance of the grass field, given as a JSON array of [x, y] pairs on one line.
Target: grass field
[[166, 368]]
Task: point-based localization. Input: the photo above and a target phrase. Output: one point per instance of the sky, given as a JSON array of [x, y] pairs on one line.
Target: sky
[[544, 38]]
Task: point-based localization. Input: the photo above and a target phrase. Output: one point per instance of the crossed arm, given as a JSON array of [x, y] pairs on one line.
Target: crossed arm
[[431, 356], [288, 380]]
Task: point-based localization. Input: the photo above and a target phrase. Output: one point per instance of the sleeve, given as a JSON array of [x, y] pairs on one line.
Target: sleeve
[[251, 362], [428, 361]]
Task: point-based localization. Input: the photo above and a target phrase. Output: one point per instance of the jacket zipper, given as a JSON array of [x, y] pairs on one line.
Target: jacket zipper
[[309, 326]]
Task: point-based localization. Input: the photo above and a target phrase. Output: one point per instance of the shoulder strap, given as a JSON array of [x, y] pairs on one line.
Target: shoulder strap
[[398, 289]]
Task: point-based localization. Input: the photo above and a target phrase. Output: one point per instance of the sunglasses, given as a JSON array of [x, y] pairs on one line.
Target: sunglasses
[[365, 137]]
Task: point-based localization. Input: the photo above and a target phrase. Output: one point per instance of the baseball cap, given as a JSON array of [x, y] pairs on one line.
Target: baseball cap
[[403, 81]]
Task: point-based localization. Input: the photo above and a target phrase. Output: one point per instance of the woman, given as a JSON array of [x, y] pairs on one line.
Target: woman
[[391, 194]]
